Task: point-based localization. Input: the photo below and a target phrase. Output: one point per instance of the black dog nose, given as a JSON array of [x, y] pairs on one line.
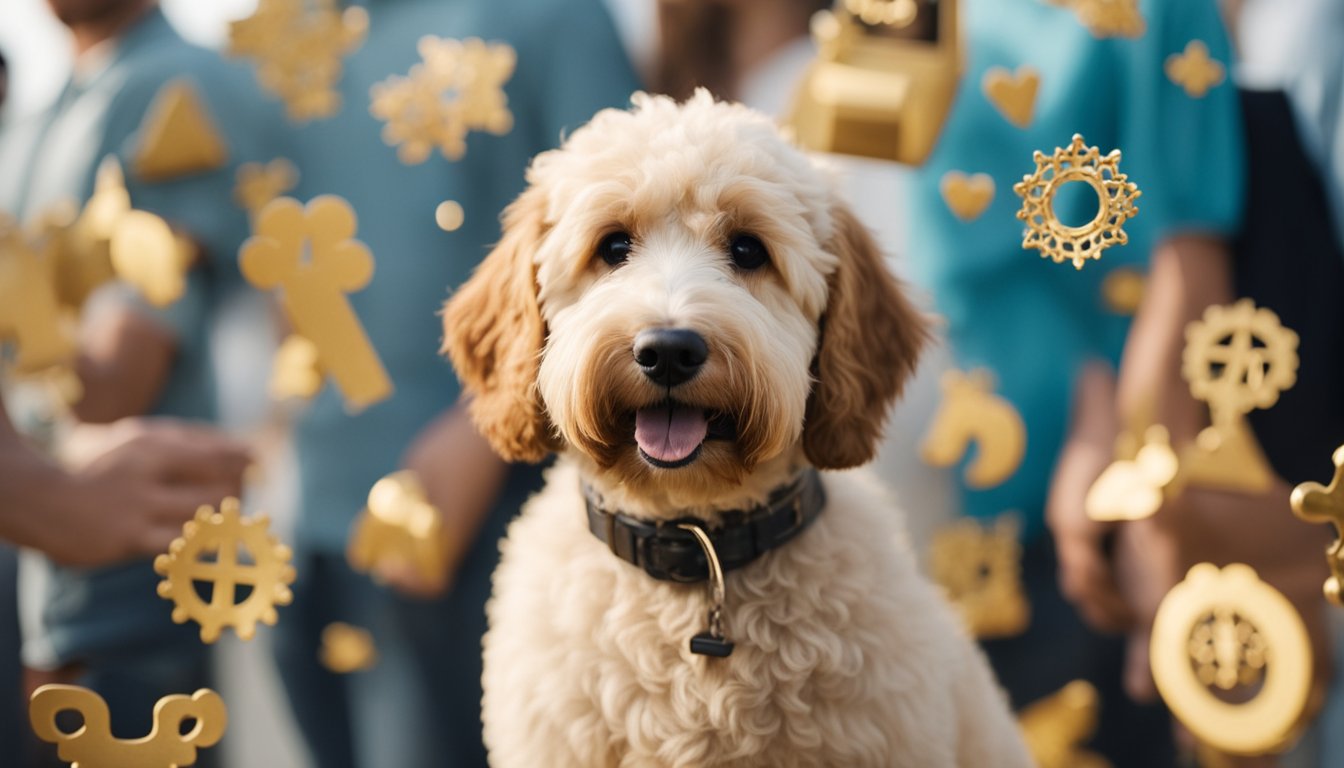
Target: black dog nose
[[670, 356]]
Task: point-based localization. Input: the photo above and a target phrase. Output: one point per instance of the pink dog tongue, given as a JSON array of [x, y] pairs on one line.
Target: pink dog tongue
[[670, 433]]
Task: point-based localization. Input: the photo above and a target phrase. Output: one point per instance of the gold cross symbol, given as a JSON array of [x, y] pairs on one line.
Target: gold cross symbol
[[1194, 71], [1316, 503], [310, 254]]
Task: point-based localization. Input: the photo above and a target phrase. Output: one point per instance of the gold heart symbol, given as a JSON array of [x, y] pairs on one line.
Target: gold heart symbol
[[967, 196], [1012, 93]]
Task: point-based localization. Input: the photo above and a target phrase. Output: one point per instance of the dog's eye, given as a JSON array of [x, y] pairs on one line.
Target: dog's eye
[[615, 248], [748, 253]]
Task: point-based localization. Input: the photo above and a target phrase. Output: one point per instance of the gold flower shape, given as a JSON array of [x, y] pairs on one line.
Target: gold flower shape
[[298, 46], [1194, 71], [227, 551], [1115, 197], [458, 88], [1227, 650]]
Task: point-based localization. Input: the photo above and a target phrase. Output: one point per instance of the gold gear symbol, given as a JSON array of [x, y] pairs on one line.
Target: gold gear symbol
[[1115, 203], [213, 549], [1239, 358], [1225, 629]]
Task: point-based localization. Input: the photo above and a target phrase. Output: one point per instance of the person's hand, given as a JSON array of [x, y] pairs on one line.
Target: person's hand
[[132, 484], [1086, 577], [462, 478]]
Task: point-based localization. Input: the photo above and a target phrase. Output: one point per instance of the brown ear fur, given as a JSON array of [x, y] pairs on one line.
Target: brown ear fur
[[493, 332], [870, 340]]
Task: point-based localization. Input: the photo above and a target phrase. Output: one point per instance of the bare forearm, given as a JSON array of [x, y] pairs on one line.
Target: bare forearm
[[1189, 273], [32, 486], [125, 359]]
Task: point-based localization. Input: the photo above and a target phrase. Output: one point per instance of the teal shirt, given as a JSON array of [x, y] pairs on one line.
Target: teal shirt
[[96, 616], [570, 64], [1033, 322]]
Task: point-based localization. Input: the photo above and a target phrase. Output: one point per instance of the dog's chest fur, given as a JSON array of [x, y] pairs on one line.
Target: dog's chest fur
[[845, 656]]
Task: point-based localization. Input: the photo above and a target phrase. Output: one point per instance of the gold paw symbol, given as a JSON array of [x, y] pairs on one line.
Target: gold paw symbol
[[459, 87], [399, 528], [226, 551], [1056, 727], [1133, 488], [980, 569], [1224, 631], [1078, 163], [347, 649], [298, 46], [1194, 71], [313, 285], [967, 196], [1108, 18], [1316, 503], [1012, 93], [970, 411], [256, 185], [92, 745]]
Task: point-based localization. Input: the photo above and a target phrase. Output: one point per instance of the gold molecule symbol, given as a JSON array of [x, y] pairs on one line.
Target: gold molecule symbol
[[92, 745], [226, 551]]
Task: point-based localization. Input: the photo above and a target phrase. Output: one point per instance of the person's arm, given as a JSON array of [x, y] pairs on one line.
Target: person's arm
[[125, 358], [140, 481]]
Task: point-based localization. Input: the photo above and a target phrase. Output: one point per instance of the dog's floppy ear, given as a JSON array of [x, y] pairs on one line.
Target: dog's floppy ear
[[870, 339], [493, 332]]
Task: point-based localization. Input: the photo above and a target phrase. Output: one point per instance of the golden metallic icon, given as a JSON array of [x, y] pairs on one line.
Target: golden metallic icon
[[30, 311], [146, 254], [449, 216], [1134, 488], [1122, 290], [458, 87], [967, 196], [979, 567], [399, 528], [226, 551], [313, 287], [1078, 163], [257, 185], [295, 371], [1194, 71], [880, 91], [896, 13], [1056, 727], [970, 411], [347, 649], [92, 745], [1232, 660], [177, 137], [1108, 18], [1237, 358], [1013, 94], [1316, 503], [298, 46]]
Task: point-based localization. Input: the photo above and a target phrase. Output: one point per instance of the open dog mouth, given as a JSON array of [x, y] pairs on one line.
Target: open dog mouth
[[670, 434]]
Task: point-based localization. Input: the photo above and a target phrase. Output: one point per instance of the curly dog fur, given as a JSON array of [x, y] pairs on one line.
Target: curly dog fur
[[845, 655]]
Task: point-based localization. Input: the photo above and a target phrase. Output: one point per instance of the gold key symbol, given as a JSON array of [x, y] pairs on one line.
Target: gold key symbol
[[313, 288]]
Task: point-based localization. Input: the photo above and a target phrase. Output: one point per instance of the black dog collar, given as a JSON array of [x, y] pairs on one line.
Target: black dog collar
[[669, 552]]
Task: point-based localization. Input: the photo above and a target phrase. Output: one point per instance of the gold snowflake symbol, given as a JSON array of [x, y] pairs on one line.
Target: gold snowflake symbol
[[298, 46], [1108, 18], [458, 88], [1194, 71], [1227, 650], [1115, 203]]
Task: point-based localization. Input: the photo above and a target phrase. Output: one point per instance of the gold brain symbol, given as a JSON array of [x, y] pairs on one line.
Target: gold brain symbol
[[228, 538], [458, 88], [1239, 358], [1082, 164]]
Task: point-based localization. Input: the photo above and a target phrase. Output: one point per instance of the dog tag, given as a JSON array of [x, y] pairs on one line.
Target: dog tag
[[706, 644]]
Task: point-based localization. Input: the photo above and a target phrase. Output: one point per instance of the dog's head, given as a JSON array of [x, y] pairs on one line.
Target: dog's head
[[680, 296]]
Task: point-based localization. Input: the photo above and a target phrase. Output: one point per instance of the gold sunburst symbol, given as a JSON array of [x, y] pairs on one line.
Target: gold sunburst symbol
[[1115, 203]]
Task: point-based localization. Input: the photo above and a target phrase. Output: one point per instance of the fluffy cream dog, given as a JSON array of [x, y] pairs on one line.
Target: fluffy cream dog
[[682, 307]]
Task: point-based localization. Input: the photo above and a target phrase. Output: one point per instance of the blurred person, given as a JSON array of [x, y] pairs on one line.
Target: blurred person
[[4, 82], [105, 627], [420, 704]]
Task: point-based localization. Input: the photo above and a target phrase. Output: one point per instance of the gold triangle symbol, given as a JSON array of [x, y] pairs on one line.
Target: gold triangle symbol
[[177, 137]]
